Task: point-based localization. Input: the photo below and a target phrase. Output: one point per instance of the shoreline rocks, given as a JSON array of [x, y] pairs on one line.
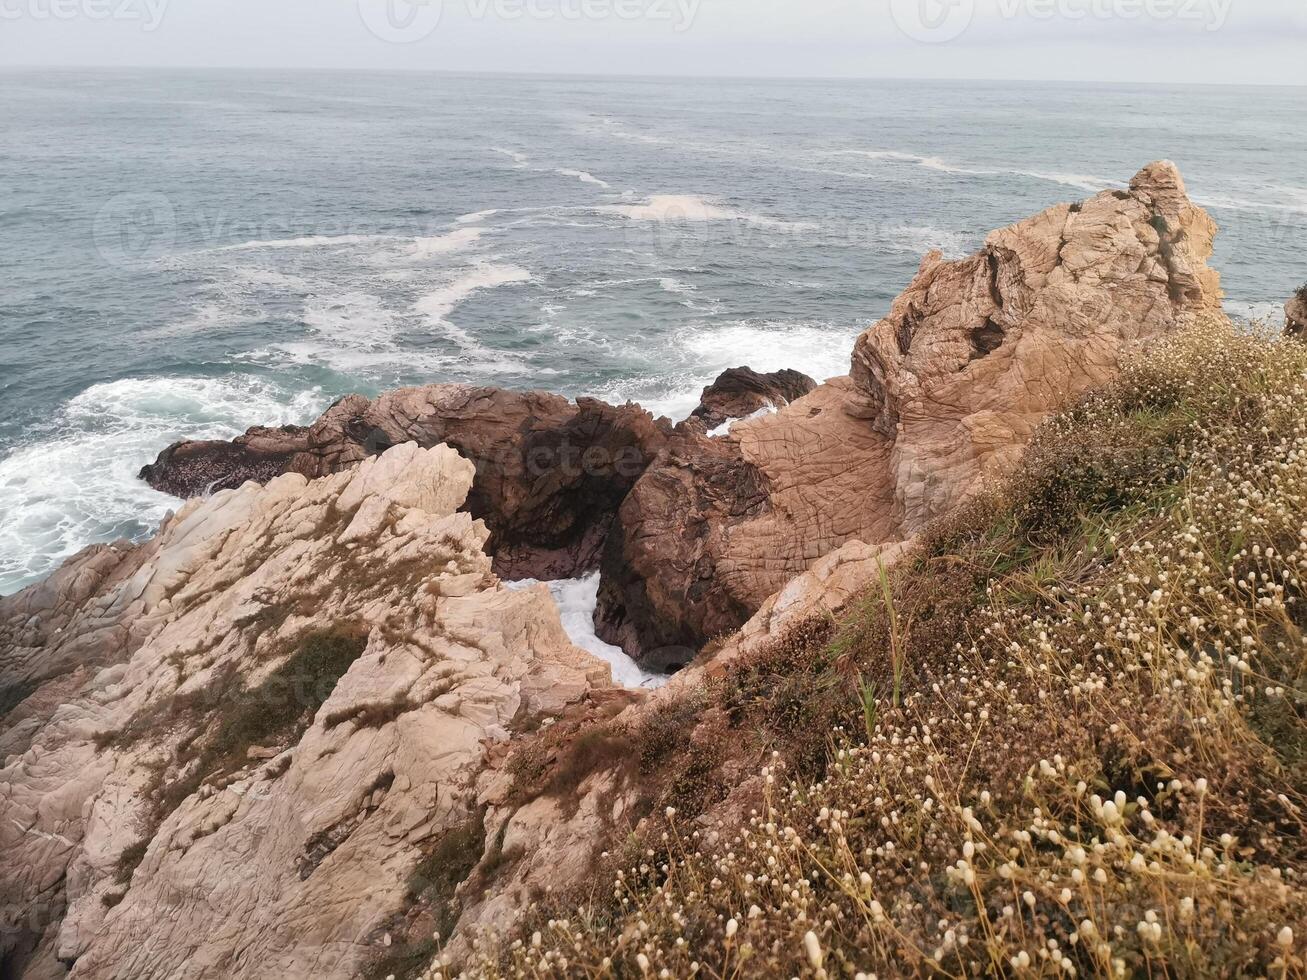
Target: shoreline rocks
[[692, 534], [550, 474], [234, 748]]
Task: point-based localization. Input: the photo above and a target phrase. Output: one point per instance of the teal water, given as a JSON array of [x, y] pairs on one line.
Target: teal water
[[190, 253]]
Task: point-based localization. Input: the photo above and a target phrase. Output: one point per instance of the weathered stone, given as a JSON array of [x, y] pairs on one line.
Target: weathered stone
[[550, 474], [286, 858]]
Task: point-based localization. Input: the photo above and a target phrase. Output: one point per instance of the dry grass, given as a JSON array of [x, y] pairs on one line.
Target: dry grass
[[1095, 761]]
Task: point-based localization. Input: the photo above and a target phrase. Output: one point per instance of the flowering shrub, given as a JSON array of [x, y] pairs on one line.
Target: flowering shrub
[[1097, 761]]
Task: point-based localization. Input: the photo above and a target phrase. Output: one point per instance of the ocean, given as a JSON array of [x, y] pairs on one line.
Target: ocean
[[186, 254]]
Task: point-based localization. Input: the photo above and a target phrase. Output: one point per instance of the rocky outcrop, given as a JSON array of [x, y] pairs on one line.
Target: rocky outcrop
[[741, 392], [1295, 315], [975, 353], [237, 749], [550, 474], [944, 393]]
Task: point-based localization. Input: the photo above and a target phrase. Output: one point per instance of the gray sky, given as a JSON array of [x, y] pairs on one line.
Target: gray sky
[[1225, 41]]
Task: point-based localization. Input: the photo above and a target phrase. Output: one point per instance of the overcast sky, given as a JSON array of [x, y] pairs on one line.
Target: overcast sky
[[1228, 41]]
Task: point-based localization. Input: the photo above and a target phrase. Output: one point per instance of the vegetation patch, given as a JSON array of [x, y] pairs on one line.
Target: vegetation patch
[[273, 714], [285, 702]]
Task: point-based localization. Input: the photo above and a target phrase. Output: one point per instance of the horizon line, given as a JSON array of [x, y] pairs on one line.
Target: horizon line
[[633, 76]]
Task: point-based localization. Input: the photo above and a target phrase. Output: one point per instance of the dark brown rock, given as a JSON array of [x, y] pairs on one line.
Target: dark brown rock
[[740, 392], [663, 553], [194, 469], [550, 474]]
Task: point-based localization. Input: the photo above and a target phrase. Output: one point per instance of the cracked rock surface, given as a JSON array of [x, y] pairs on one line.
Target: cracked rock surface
[[225, 750]]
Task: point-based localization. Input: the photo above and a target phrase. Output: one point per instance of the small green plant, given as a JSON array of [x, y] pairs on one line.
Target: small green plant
[[286, 700], [868, 698]]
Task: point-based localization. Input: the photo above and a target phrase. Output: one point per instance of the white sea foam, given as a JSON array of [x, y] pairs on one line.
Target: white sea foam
[[438, 304], [1227, 202], [697, 354], [79, 487], [670, 285], [476, 217], [308, 241], [583, 177], [678, 208], [520, 160], [725, 428], [577, 600], [1083, 182], [920, 240], [897, 156], [354, 319], [608, 126], [672, 207], [430, 247], [1268, 312]]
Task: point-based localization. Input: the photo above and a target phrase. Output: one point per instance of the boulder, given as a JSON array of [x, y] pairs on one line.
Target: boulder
[[741, 392], [943, 393]]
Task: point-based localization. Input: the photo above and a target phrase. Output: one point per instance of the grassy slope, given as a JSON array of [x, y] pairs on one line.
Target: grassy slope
[[1065, 738]]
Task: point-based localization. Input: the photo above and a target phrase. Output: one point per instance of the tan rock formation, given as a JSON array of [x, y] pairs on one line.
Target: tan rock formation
[[944, 393], [227, 750]]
